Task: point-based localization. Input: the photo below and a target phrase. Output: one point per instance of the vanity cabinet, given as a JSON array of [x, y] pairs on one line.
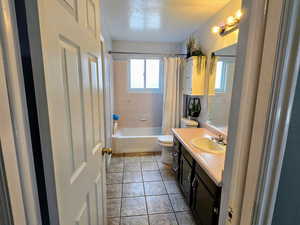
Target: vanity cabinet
[[186, 166], [205, 198], [194, 76], [199, 190]]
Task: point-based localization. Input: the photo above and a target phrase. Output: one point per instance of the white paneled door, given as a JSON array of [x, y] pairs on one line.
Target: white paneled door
[[73, 75]]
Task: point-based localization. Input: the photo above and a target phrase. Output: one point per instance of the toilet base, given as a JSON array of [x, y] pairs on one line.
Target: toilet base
[[166, 155]]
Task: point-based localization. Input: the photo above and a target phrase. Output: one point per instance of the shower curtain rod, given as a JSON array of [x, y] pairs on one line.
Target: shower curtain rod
[[229, 56], [144, 53]]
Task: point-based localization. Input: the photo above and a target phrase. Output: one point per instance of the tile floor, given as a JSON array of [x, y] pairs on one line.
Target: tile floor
[[143, 191]]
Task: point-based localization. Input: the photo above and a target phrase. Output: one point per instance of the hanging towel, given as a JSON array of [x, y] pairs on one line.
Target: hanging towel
[[199, 76], [212, 75]]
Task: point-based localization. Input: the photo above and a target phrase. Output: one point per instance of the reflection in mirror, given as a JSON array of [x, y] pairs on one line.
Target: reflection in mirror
[[221, 82]]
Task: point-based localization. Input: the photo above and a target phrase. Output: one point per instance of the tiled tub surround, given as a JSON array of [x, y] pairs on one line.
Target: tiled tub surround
[[136, 109], [141, 139], [143, 191]]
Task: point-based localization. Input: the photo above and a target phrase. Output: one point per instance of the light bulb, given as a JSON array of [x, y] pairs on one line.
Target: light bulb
[[238, 14], [216, 29], [230, 20]]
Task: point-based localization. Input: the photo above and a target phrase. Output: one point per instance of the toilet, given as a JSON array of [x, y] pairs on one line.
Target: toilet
[[166, 141]]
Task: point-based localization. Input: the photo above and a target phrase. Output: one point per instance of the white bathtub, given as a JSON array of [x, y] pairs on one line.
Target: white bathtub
[[143, 139]]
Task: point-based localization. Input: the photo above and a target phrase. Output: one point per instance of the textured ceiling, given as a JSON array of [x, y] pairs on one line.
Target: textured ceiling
[[156, 20]]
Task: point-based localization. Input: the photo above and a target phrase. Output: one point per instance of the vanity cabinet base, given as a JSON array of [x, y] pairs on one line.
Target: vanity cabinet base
[[201, 193]]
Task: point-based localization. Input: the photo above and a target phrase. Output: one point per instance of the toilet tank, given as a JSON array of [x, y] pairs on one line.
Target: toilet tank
[[186, 123]]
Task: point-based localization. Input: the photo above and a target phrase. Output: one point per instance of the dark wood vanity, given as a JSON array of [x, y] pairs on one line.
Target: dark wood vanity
[[200, 191]]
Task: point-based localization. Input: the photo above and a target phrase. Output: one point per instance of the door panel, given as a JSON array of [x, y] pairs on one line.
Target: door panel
[[98, 200], [70, 59], [71, 6], [73, 77], [91, 16], [83, 217], [93, 70]]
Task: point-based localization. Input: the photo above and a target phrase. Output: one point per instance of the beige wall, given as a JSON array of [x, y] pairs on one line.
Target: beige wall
[[146, 47], [134, 107], [211, 42]]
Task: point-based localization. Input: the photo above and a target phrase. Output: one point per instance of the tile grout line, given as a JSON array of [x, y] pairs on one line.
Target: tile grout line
[[145, 198], [122, 191], [117, 198], [169, 199]]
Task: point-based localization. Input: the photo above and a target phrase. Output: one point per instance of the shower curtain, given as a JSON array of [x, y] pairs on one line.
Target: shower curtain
[[172, 90]]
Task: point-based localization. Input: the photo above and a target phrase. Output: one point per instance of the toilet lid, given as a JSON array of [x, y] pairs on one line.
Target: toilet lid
[[166, 139]]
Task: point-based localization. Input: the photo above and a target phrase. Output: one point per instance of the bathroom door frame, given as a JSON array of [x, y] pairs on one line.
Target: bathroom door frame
[[108, 94], [273, 111], [15, 136], [5, 206], [269, 64]]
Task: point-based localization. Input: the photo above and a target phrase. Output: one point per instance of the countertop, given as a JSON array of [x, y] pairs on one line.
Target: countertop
[[212, 164]]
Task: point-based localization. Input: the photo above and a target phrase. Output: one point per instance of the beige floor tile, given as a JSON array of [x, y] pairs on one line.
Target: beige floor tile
[[147, 158], [172, 187], [115, 159], [163, 219], [113, 221], [149, 166], [155, 188], [132, 159], [157, 157], [132, 167], [185, 218], [158, 204], [132, 177], [133, 190], [133, 206], [116, 167], [114, 190], [134, 220], [149, 169], [178, 202], [113, 207], [152, 175], [114, 178]]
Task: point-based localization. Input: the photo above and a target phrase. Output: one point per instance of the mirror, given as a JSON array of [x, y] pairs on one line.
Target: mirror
[[219, 100]]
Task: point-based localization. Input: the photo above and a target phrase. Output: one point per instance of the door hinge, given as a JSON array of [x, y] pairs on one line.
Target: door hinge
[[229, 214]]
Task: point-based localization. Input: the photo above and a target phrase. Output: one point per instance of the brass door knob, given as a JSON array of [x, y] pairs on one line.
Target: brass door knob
[[106, 151]]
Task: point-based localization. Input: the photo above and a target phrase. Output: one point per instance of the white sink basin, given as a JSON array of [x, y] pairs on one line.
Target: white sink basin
[[207, 145]]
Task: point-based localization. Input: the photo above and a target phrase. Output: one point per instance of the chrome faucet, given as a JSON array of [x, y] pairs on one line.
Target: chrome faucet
[[219, 139]]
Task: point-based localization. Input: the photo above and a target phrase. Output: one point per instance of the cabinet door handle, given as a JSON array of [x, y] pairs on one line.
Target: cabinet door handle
[[195, 182], [216, 210]]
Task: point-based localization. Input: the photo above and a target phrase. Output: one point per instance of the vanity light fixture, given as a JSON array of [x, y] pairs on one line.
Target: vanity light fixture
[[231, 24]]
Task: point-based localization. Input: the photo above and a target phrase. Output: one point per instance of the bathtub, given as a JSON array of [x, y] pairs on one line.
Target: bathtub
[[128, 140]]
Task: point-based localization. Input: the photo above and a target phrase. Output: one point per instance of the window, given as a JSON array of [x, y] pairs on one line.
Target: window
[[220, 85], [144, 75]]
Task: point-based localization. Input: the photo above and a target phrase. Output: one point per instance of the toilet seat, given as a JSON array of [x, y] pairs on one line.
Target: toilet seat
[[166, 140]]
